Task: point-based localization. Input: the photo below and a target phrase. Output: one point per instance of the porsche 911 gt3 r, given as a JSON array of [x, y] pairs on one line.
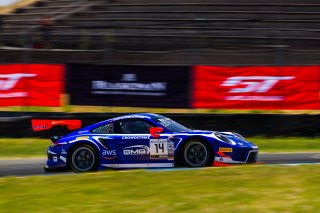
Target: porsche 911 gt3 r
[[141, 140]]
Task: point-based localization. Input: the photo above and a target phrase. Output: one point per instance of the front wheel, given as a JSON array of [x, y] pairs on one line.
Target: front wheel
[[197, 153], [83, 158]]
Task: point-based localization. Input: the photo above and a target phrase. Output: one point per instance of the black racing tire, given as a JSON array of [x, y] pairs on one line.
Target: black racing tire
[[83, 158], [197, 153]]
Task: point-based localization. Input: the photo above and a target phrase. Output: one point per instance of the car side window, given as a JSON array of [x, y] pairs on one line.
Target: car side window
[[134, 127], [105, 129]]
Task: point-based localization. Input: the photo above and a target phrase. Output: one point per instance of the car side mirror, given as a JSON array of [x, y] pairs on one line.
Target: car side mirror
[[154, 131]]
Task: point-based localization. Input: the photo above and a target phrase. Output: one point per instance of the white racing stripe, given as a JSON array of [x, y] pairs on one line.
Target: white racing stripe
[[139, 165], [51, 152]]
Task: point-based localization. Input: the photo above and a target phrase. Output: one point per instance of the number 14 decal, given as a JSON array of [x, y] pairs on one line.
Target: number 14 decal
[[158, 148]]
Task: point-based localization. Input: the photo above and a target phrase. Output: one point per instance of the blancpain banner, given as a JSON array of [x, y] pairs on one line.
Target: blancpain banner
[[126, 87], [146, 86]]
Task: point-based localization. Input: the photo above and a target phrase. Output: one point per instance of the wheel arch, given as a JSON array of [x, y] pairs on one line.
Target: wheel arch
[[83, 142], [196, 137]]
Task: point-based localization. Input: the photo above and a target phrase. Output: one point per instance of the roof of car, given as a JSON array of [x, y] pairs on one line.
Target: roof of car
[[137, 115]]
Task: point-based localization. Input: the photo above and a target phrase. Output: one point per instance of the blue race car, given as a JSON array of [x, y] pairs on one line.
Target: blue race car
[[141, 140]]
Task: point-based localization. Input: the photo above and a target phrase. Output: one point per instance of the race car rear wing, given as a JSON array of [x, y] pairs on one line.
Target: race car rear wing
[[55, 128]]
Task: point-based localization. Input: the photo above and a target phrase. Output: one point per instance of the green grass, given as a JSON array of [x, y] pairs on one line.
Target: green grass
[[35, 147], [290, 144], [23, 147], [234, 189]]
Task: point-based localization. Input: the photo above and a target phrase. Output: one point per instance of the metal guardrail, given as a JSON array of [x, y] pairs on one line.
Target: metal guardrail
[[99, 40], [277, 55]]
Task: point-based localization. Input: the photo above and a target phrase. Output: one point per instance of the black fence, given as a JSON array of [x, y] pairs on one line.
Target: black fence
[[18, 124]]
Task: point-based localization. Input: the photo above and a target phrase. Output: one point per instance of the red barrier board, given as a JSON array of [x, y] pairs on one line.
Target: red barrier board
[[31, 84], [257, 87]]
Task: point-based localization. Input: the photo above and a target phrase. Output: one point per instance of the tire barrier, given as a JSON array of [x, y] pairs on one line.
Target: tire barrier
[[18, 124]]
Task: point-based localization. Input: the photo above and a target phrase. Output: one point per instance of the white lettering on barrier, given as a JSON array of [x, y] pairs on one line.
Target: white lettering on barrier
[[258, 84], [9, 81], [153, 86], [253, 84]]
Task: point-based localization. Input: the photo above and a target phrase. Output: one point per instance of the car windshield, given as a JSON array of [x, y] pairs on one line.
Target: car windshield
[[170, 124]]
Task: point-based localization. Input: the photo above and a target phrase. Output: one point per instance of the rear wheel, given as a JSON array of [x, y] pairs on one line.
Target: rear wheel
[[83, 158], [197, 153]]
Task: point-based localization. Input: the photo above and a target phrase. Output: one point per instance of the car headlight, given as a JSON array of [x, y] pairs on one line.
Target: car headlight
[[239, 136], [224, 139]]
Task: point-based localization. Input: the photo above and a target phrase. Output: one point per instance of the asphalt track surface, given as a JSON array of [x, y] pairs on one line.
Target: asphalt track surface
[[34, 166]]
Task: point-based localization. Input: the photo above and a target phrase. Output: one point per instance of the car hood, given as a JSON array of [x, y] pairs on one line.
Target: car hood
[[234, 137]]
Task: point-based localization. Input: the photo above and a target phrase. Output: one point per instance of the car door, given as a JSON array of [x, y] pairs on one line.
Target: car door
[[137, 148]]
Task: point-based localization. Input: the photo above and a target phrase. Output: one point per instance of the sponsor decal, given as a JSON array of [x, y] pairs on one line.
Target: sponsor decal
[[63, 152], [136, 150], [161, 149], [170, 150], [149, 86], [110, 157], [228, 160], [129, 77], [129, 85], [109, 152], [253, 85], [135, 137], [31, 84], [82, 138], [55, 158], [129, 116], [40, 127], [165, 121], [9, 81], [225, 149], [256, 87]]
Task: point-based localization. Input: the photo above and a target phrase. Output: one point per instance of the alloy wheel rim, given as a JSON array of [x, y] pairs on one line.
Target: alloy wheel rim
[[83, 159], [196, 154]]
